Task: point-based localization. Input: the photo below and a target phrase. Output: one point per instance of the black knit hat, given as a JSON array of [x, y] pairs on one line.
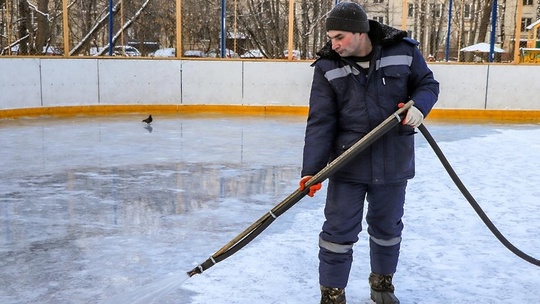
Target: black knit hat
[[348, 17]]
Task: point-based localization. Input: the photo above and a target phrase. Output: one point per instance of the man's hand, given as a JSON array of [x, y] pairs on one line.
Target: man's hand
[[414, 117], [312, 189]]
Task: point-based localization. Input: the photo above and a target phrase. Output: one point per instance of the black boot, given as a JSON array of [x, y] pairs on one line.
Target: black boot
[[382, 290], [332, 295]]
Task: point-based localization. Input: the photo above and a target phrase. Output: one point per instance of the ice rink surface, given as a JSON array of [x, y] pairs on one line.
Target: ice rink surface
[[97, 207]]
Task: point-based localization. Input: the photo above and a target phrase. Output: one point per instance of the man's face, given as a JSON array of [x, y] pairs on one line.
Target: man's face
[[349, 44]]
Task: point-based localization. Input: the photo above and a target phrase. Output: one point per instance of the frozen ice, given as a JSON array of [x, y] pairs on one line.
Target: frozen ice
[[96, 207]]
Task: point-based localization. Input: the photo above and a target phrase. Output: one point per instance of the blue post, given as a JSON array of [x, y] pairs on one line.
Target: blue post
[[111, 23], [447, 51], [493, 30], [223, 29]]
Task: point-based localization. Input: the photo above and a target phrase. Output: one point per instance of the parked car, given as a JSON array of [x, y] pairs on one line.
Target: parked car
[[47, 50], [217, 53], [52, 51], [166, 52], [126, 50], [255, 53], [194, 53], [297, 55]]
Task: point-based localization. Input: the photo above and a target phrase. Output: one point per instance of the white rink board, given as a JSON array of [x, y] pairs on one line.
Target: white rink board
[[69, 82], [278, 83], [125, 81], [461, 86], [504, 94], [40, 82], [211, 82], [20, 85]]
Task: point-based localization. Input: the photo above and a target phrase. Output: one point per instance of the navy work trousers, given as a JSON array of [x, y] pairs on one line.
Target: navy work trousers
[[344, 212]]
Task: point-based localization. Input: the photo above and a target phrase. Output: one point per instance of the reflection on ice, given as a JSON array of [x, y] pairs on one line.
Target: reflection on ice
[[97, 207], [93, 207]]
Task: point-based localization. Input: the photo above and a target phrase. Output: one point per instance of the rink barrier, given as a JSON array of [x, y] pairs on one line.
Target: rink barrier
[[206, 110], [485, 115], [252, 110], [59, 86]]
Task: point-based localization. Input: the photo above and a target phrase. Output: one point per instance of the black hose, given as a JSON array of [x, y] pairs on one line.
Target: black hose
[[260, 225], [472, 201]]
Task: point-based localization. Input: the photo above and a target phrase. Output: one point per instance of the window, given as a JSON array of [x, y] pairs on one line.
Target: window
[[378, 1], [527, 2], [467, 11], [379, 19], [437, 10], [525, 22], [410, 10]]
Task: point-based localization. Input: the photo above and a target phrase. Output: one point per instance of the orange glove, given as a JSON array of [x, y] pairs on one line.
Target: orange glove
[[414, 117], [312, 189]]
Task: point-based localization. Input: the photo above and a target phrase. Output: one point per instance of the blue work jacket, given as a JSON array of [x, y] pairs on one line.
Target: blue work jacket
[[346, 103]]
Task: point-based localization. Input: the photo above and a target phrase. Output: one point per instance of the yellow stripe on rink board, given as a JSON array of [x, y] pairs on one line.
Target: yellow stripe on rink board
[[436, 114], [485, 115], [154, 109]]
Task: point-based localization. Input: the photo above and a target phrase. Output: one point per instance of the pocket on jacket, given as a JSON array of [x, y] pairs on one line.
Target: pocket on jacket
[[346, 140], [394, 82], [404, 154]]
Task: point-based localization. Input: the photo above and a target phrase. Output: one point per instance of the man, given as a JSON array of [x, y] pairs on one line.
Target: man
[[362, 75]]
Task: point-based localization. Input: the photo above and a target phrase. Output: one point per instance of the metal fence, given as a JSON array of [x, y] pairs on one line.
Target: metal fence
[[448, 30]]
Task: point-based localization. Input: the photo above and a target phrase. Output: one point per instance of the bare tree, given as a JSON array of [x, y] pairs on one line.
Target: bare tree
[[474, 17], [266, 24], [43, 34], [97, 26], [309, 31], [484, 20], [25, 29], [201, 24], [164, 18], [437, 34], [249, 24], [502, 22], [82, 18]]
